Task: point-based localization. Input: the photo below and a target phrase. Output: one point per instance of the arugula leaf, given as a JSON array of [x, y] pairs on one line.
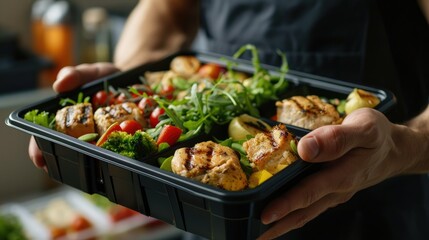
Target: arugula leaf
[[216, 103], [69, 101]]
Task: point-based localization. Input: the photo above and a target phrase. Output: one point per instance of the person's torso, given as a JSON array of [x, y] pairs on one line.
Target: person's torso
[[345, 40], [314, 34]]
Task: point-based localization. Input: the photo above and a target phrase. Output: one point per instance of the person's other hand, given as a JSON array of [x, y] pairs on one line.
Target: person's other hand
[[70, 78], [359, 153]]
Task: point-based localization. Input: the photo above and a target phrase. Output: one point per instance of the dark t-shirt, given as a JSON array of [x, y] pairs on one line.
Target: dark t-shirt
[[377, 43], [381, 44]]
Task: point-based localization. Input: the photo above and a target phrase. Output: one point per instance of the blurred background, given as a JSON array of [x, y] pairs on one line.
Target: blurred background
[[37, 38]]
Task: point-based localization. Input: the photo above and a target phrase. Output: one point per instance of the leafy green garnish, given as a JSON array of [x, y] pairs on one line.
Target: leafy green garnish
[[341, 107], [41, 118], [293, 146], [217, 103], [166, 164], [163, 146], [69, 101], [264, 86]]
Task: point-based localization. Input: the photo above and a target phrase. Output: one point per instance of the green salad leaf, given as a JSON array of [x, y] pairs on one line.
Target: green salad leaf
[[217, 103], [41, 118]]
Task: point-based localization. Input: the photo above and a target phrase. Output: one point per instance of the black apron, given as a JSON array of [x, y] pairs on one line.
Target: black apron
[[345, 40]]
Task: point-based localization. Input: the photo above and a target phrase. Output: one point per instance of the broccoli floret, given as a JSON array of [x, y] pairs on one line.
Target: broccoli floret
[[149, 144], [135, 146]]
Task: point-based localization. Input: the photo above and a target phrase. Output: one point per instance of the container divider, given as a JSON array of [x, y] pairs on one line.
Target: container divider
[[176, 207], [140, 195]]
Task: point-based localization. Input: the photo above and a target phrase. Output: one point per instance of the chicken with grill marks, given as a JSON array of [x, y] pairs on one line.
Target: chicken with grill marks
[[308, 112], [270, 150], [75, 120], [104, 117], [210, 163]]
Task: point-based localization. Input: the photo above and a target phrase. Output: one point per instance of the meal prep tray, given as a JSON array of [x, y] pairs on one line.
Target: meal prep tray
[[141, 185], [103, 224]]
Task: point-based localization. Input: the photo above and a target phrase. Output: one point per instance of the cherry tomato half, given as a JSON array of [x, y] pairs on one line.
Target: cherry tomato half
[[167, 91], [146, 104], [121, 98], [154, 116], [130, 126], [169, 134], [211, 70], [102, 98]]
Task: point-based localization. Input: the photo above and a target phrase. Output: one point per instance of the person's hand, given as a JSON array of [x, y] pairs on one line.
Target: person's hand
[[70, 78], [363, 151]]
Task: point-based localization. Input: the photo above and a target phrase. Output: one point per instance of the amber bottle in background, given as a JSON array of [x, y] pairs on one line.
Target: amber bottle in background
[[96, 40], [58, 39], [38, 9]]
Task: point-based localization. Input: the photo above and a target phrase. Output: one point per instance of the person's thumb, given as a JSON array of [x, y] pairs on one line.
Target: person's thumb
[[328, 143]]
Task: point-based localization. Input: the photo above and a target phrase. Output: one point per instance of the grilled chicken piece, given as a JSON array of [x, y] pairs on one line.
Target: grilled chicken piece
[[270, 150], [307, 112], [75, 120], [210, 163], [185, 65], [104, 117]]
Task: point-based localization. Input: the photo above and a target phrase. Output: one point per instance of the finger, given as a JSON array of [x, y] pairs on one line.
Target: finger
[[331, 142], [35, 154], [307, 192], [301, 217], [70, 78]]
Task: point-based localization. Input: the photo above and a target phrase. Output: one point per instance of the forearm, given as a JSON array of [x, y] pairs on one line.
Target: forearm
[[155, 29], [413, 142], [421, 122], [424, 6]]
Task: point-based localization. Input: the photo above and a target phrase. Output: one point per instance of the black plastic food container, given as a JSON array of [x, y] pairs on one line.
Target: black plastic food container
[[140, 185]]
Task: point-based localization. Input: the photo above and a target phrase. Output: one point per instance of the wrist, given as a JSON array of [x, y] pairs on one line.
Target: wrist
[[412, 147]]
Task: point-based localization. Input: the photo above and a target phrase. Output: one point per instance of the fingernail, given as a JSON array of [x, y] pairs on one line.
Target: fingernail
[[272, 218], [311, 146], [63, 72]]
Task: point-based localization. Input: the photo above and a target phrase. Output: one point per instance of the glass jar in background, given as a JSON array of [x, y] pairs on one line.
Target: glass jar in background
[[96, 44]]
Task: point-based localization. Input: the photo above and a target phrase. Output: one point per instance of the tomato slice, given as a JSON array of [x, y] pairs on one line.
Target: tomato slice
[[130, 126], [169, 134], [211, 70], [167, 91], [154, 116], [114, 127]]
